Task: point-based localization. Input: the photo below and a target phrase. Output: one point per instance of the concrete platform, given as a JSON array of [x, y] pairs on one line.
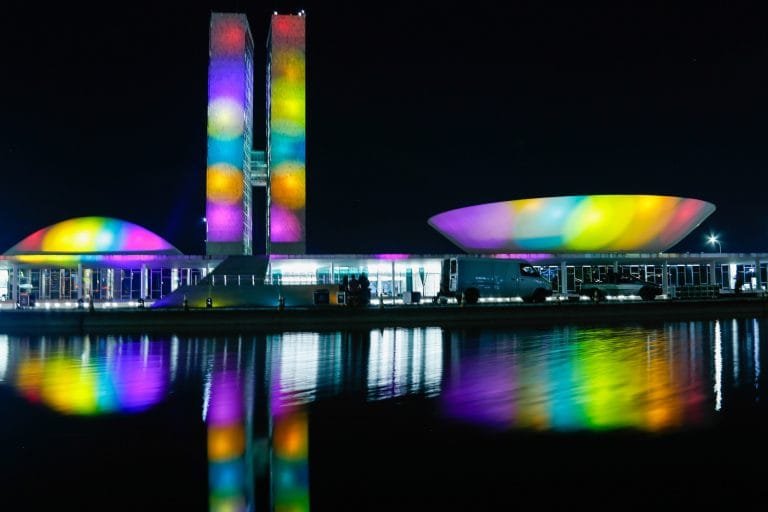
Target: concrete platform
[[341, 317]]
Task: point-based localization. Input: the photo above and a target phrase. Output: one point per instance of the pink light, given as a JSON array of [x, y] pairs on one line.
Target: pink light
[[92, 235], [224, 222], [392, 256], [228, 37], [284, 225], [225, 405]]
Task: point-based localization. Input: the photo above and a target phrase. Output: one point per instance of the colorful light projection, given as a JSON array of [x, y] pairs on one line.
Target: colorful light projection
[[230, 114], [227, 442], [290, 461], [95, 379], [293, 381], [599, 379], [597, 223], [91, 235], [287, 135]]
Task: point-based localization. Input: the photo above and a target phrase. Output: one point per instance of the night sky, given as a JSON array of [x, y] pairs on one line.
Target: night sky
[[412, 110]]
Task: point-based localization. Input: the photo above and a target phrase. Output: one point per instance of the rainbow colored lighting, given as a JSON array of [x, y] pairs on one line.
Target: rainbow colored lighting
[[601, 380], [125, 378], [230, 108], [287, 136], [290, 464], [91, 235], [597, 223], [226, 422]]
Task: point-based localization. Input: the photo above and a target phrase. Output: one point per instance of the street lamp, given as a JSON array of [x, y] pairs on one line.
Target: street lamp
[[205, 241], [712, 240]]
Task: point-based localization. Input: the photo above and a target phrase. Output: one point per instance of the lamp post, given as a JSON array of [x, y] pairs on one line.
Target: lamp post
[[205, 241], [712, 240]]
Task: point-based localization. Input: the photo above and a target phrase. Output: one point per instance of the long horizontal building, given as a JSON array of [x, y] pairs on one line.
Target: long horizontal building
[[116, 263]]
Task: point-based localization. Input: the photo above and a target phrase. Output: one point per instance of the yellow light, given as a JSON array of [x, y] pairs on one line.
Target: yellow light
[[224, 184], [596, 222], [647, 212], [288, 188], [226, 119], [74, 235]]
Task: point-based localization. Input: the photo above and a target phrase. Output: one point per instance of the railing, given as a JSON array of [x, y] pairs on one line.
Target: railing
[[701, 291], [235, 280]]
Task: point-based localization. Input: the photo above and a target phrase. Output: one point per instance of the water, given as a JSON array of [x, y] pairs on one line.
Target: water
[[390, 419]]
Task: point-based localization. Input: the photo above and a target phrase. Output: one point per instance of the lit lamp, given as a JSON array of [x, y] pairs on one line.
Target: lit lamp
[[712, 240]]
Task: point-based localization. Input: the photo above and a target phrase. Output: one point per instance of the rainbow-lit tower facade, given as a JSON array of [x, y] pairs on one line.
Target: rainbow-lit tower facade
[[230, 124], [286, 135]]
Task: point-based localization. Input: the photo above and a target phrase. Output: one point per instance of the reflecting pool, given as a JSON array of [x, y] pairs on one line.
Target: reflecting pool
[[390, 419]]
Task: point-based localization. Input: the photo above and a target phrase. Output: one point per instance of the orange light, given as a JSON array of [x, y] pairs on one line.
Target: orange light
[[225, 443], [224, 184]]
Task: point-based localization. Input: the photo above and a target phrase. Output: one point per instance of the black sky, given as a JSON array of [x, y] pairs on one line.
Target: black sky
[[412, 110]]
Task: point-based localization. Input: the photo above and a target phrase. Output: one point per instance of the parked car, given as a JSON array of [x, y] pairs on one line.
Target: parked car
[[621, 285], [471, 277]]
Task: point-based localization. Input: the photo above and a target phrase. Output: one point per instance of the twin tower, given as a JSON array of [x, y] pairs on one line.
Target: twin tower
[[233, 167]]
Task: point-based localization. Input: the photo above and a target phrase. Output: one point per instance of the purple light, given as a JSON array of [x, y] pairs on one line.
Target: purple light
[[462, 226], [224, 221], [485, 394], [392, 256], [220, 82], [284, 225], [229, 114], [138, 375], [589, 223], [83, 235], [225, 406]]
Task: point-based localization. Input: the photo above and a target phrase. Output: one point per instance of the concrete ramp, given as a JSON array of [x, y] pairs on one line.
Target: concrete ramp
[[246, 296]]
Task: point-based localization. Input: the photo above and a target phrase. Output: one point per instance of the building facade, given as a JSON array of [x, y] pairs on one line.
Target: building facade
[[228, 213]]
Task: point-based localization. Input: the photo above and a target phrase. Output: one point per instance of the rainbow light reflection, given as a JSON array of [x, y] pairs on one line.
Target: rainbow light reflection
[[226, 421], [293, 366], [601, 379], [596, 223], [287, 135], [230, 78], [117, 377], [290, 464], [94, 235]]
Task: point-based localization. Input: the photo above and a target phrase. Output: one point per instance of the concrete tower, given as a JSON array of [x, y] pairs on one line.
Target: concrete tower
[[230, 125], [286, 135]]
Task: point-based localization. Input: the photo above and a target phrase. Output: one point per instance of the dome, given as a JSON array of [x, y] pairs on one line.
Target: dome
[[593, 223], [93, 235]]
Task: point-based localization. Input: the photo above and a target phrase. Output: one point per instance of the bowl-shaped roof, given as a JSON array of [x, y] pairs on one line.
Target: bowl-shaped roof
[[93, 235], [599, 223]]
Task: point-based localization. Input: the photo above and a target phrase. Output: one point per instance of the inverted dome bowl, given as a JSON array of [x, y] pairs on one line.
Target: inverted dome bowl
[[595, 223]]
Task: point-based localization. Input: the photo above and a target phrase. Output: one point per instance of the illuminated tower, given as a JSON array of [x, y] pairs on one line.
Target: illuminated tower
[[230, 123], [286, 135]]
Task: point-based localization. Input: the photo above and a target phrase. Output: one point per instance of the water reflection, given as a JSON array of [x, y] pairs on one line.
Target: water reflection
[[255, 396], [228, 419], [3, 356], [599, 379], [84, 377], [404, 361]]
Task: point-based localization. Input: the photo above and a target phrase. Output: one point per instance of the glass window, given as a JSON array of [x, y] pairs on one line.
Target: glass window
[[528, 270]]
